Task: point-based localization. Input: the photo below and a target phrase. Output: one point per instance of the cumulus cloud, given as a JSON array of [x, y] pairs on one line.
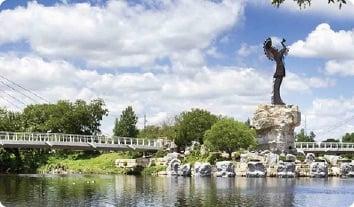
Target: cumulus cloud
[[324, 42], [300, 83], [330, 118], [344, 67], [119, 34], [245, 50], [231, 91]]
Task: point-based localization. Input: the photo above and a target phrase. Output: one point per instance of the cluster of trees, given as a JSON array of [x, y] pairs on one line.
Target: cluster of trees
[[77, 117], [303, 137], [348, 137], [217, 132]]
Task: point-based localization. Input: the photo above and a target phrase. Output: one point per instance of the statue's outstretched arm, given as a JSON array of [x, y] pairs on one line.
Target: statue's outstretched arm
[[285, 50]]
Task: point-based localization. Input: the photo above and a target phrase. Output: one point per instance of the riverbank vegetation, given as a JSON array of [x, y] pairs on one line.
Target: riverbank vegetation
[[217, 133]]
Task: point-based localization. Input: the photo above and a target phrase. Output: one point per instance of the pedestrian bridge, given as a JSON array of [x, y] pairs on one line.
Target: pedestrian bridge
[[78, 142], [328, 147]]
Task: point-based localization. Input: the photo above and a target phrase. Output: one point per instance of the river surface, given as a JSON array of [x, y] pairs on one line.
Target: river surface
[[120, 190]]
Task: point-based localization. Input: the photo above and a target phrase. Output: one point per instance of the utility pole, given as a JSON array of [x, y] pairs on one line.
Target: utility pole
[[305, 129], [145, 121]]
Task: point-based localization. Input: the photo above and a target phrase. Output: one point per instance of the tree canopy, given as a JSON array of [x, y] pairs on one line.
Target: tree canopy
[[348, 137], [304, 3], [153, 131], [302, 137], [10, 121], [62, 117], [76, 117], [191, 126], [125, 126], [229, 135]]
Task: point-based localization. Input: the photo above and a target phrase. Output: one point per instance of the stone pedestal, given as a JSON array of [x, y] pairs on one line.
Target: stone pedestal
[[275, 126]]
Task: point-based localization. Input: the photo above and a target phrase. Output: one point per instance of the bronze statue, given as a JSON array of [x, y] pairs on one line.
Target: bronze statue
[[278, 56]]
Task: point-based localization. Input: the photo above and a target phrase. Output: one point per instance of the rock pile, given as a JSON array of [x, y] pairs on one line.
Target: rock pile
[[275, 126], [225, 169]]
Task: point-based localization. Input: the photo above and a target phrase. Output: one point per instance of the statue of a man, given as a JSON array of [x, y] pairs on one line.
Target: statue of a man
[[278, 56]]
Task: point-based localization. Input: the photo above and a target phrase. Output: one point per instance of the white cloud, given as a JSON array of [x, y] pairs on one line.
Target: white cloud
[[231, 91], [344, 68], [330, 118], [324, 42], [295, 82], [120, 34], [245, 50], [213, 52]]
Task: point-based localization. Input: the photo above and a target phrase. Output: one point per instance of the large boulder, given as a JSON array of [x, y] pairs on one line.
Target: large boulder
[[173, 167], [246, 157], [202, 169], [255, 168], [310, 158], [347, 169], [290, 157], [286, 169], [225, 169], [185, 170], [271, 159], [319, 169], [171, 156], [300, 152], [332, 159], [275, 126]]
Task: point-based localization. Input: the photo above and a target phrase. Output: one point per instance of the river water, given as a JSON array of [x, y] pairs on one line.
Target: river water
[[120, 190]]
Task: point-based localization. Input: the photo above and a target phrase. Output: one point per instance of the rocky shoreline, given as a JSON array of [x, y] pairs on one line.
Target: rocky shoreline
[[254, 164]]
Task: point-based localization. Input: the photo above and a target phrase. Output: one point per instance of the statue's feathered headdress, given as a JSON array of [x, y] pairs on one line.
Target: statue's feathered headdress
[[267, 46]]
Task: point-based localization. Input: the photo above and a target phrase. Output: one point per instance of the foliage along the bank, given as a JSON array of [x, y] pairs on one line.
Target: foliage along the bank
[[229, 135], [191, 126], [76, 117]]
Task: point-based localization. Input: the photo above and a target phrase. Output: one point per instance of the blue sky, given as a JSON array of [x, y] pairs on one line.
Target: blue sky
[[163, 57]]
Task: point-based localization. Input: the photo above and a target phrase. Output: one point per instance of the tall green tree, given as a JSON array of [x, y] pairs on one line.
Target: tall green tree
[[153, 131], [348, 137], [229, 135], [302, 137], [304, 3], [191, 126], [65, 117], [126, 125], [10, 121]]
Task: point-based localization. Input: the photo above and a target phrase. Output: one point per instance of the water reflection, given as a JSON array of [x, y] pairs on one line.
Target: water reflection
[[34, 190]]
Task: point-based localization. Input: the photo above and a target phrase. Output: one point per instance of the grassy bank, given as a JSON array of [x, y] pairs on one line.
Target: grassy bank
[[62, 162], [90, 164]]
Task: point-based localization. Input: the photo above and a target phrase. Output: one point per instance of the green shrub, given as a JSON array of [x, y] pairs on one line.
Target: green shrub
[[214, 157], [282, 158], [160, 153], [153, 170], [301, 158]]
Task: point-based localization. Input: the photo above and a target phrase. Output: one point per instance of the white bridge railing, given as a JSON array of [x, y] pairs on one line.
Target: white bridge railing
[[325, 146], [33, 138]]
